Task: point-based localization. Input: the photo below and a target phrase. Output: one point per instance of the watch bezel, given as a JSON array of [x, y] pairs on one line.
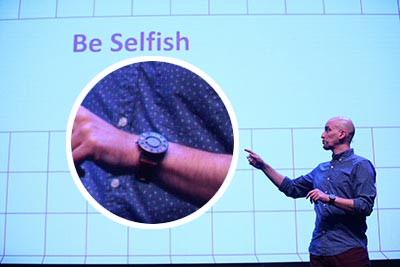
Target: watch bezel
[[332, 198], [143, 142]]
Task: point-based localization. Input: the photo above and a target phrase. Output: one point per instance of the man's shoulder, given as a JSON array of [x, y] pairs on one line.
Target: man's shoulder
[[358, 163], [355, 158], [322, 166]]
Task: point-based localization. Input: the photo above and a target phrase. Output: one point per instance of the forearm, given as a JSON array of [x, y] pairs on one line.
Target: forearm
[[194, 174], [257, 162], [275, 177], [344, 203]]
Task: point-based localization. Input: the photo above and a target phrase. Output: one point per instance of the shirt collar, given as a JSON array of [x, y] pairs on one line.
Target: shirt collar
[[343, 155]]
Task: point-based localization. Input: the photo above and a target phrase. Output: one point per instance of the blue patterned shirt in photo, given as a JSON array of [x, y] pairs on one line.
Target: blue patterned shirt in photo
[[159, 97]]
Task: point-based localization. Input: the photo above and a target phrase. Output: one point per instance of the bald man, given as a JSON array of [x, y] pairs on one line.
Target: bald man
[[343, 193]]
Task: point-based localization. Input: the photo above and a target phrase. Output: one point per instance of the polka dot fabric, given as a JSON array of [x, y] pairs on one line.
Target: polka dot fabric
[[160, 97]]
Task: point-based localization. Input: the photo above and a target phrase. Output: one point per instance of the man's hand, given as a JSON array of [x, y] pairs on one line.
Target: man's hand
[[316, 194], [194, 174], [95, 139], [255, 160]]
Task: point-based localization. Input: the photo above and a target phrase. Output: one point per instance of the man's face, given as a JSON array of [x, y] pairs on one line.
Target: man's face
[[330, 136]]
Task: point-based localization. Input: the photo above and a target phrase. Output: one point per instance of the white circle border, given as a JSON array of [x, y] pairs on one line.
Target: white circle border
[[222, 188]]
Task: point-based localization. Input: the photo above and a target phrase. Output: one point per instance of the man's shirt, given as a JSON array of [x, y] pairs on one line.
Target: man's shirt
[[160, 97], [347, 176]]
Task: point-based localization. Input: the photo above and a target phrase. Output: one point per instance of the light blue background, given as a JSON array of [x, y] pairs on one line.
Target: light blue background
[[286, 66]]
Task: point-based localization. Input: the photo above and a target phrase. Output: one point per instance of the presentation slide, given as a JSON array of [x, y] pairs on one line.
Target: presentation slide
[[284, 67]]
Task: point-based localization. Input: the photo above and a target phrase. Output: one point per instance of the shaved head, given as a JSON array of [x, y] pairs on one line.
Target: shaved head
[[345, 124]]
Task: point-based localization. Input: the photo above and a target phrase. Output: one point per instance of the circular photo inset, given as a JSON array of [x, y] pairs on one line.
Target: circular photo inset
[[152, 142]]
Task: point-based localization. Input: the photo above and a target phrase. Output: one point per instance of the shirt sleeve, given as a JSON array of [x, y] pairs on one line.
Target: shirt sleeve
[[298, 187], [364, 188]]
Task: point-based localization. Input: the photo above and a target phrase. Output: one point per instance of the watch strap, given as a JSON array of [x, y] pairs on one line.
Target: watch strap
[[147, 167], [153, 147]]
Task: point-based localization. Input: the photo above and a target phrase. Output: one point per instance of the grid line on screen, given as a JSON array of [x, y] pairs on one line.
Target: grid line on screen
[[86, 231], [58, 9], [46, 198], [44, 218], [293, 173], [6, 194], [377, 198], [221, 245], [253, 208]]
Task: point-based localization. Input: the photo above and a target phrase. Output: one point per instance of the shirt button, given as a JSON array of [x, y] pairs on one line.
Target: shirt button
[[122, 122], [331, 166], [328, 178], [115, 183], [323, 232]]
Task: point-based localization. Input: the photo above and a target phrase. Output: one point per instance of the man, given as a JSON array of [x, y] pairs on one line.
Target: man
[[174, 109], [343, 192]]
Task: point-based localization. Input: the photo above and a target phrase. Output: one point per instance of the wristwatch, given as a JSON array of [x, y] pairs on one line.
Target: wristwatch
[[332, 198], [153, 147]]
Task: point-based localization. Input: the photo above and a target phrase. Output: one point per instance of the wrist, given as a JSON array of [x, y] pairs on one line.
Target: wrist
[[130, 157], [331, 199], [152, 150]]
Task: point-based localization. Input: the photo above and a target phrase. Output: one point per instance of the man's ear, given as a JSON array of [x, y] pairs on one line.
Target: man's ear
[[342, 134]]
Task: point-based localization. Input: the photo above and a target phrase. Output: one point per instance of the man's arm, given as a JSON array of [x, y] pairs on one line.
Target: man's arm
[[257, 162], [343, 203], [314, 195], [195, 174], [364, 191]]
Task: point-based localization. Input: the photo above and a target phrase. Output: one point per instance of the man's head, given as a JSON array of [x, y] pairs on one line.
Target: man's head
[[338, 134]]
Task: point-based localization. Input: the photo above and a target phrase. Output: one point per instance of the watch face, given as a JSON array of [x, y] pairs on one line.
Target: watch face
[[153, 142]]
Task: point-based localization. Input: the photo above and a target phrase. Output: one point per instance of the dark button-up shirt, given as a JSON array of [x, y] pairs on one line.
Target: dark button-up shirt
[[160, 97], [348, 176]]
